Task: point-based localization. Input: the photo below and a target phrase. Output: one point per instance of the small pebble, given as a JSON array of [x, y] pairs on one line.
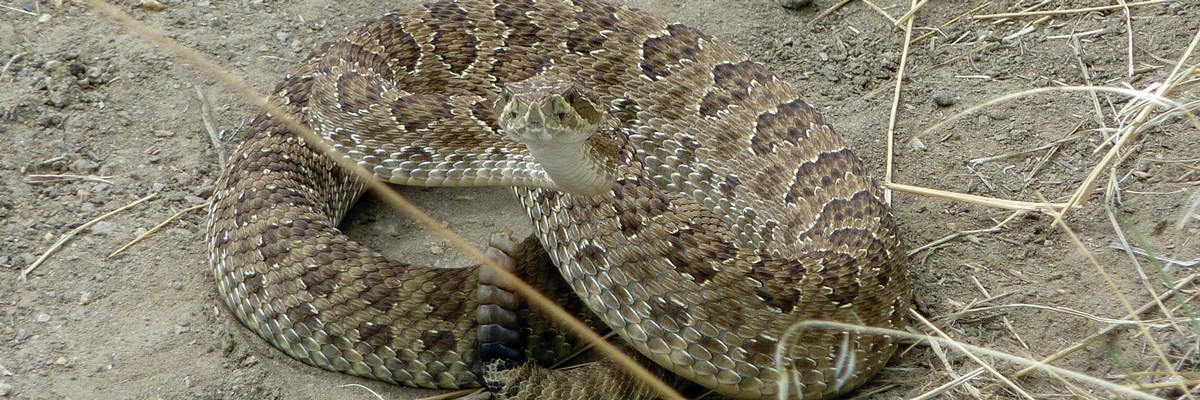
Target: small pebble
[[85, 298], [436, 250], [152, 5], [163, 134], [5, 389], [157, 187], [283, 36], [205, 191], [61, 361], [944, 99], [43, 317], [917, 144], [84, 166], [44, 18], [794, 4], [4, 260], [194, 200], [102, 228]]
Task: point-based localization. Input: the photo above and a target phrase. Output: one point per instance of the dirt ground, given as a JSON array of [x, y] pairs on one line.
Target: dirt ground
[[80, 95]]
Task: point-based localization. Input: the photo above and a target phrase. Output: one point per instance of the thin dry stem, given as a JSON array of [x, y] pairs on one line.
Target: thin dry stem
[[43, 178], [891, 130], [1051, 208], [1133, 128], [156, 228], [18, 10], [1072, 11], [1119, 389], [210, 126], [959, 381], [961, 348], [54, 247], [1115, 290]]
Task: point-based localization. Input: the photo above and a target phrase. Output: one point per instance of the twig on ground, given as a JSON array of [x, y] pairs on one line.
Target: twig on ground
[[1165, 260], [157, 228], [377, 396], [10, 63], [1115, 290], [828, 11], [210, 126], [879, 10], [1073, 11], [959, 234], [962, 349], [43, 178], [937, 391], [891, 130], [1003, 318], [54, 247], [451, 395], [1050, 209], [1101, 383], [1063, 310], [18, 10], [1189, 211], [1070, 138], [1103, 332], [1134, 127]]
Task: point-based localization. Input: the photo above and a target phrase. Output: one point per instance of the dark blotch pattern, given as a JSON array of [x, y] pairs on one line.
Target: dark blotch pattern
[[828, 168], [634, 201], [357, 92], [731, 85], [789, 123], [451, 39], [420, 111], [660, 53]]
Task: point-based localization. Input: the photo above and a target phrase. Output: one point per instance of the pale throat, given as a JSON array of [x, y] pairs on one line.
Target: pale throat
[[581, 168]]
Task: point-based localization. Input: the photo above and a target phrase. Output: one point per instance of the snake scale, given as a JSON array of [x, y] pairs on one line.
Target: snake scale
[[728, 208]]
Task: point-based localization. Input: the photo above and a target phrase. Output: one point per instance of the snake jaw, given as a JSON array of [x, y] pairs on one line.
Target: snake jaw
[[558, 123]]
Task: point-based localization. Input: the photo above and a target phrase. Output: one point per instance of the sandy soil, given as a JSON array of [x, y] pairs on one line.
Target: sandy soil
[[80, 95]]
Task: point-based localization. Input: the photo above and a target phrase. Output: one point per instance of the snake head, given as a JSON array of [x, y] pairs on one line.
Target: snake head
[[546, 110]]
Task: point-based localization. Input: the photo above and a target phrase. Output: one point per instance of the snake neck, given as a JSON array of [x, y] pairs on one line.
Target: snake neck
[[582, 168]]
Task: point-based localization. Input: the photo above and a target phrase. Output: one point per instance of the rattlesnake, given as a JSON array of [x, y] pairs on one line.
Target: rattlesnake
[[732, 209]]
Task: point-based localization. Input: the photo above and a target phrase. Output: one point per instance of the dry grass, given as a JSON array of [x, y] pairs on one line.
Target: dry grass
[[1150, 107]]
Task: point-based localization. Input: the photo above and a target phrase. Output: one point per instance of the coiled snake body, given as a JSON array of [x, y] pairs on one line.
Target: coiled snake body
[[727, 208]]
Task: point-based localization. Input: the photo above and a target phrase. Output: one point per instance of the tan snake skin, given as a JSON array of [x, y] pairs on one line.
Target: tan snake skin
[[737, 211]]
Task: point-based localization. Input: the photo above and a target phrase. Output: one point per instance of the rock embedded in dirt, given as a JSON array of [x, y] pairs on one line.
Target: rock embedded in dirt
[[944, 99], [102, 228], [793, 4], [84, 166]]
